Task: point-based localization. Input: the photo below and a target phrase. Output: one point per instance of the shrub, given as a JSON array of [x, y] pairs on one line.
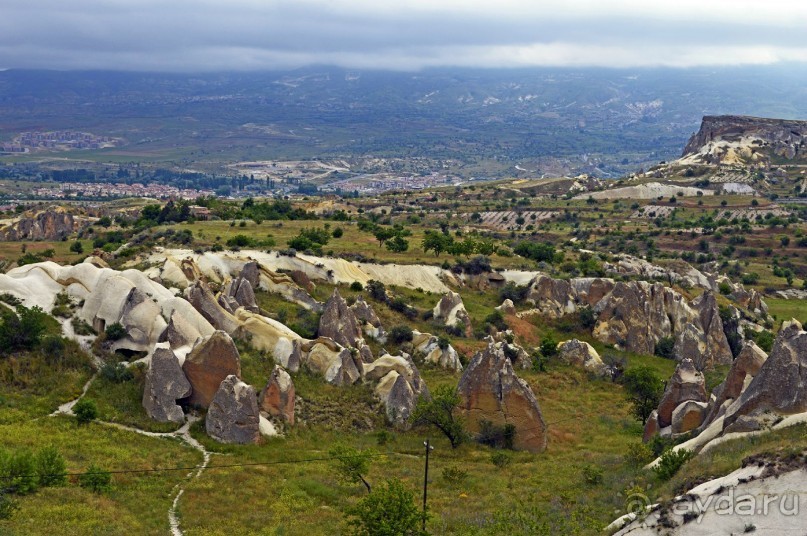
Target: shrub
[[115, 331], [239, 241], [664, 347], [764, 339], [639, 454], [95, 479], [85, 411], [670, 462], [549, 346], [400, 334], [80, 327], [454, 476], [500, 459], [53, 346], [116, 372], [50, 467], [725, 288], [351, 464], [356, 286], [592, 475], [513, 292], [18, 471], [7, 506], [21, 330], [496, 319], [497, 436], [587, 317], [390, 510]]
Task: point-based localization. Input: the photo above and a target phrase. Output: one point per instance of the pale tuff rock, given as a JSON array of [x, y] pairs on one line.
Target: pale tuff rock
[[208, 364], [52, 224], [367, 317], [336, 364], [268, 335], [277, 398], [451, 312], [688, 415], [746, 365], [704, 340], [687, 383], [203, 300], [779, 386], [490, 391], [165, 384], [233, 415], [507, 307], [427, 347], [339, 323], [399, 388], [581, 354]]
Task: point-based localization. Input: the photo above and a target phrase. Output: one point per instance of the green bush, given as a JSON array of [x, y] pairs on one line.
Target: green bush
[[400, 334], [7, 506], [356, 286], [639, 454], [500, 459], [549, 346], [390, 510], [85, 411], [50, 467], [501, 437], [593, 475], [116, 372], [21, 330], [665, 348], [644, 389], [115, 331], [95, 479], [81, 327], [670, 462], [439, 412], [454, 476], [18, 471]]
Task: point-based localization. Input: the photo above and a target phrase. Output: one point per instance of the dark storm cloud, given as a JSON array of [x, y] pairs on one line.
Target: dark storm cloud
[[241, 34]]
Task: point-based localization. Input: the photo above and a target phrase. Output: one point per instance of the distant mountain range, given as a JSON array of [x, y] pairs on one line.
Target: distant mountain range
[[495, 122]]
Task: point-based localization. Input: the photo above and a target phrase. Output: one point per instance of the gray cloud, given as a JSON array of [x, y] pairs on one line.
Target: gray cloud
[[197, 35]]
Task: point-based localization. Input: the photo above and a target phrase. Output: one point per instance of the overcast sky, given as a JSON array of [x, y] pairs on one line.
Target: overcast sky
[[194, 35]]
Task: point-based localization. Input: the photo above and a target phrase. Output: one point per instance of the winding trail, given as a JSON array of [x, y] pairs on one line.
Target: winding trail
[[182, 433]]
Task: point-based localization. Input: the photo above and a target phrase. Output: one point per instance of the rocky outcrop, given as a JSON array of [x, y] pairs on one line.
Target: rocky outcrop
[[451, 312], [581, 354], [208, 364], [725, 138], [399, 387], [242, 293], [688, 416], [490, 391], [52, 224], [433, 350], [746, 366], [366, 316], [780, 384], [165, 384], [687, 383], [278, 397], [703, 339], [338, 365], [557, 297], [507, 307], [233, 415], [203, 300], [339, 323]]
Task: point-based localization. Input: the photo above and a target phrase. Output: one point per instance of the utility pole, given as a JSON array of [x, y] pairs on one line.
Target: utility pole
[[429, 448]]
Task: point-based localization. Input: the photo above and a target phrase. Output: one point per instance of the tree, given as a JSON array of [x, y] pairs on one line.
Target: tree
[[351, 464], [388, 511], [644, 389], [439, 412], [76, 247], [437, 242], [85, 411], [95, 479], [398, 244], [21, 330], [382, 234]]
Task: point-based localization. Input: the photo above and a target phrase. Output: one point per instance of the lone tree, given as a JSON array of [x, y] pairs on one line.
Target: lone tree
[[644, 389], [351, 464], [390, 510], [439, 412]]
